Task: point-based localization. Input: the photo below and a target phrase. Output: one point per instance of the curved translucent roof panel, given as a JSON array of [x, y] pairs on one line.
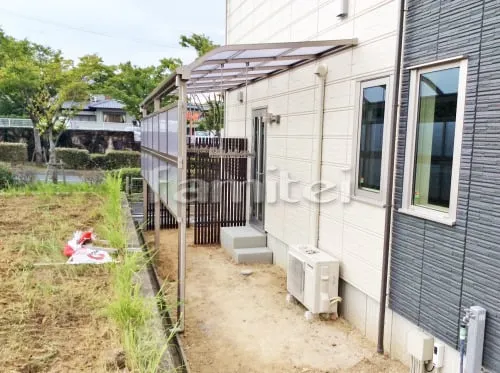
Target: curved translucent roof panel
[[232, 66]]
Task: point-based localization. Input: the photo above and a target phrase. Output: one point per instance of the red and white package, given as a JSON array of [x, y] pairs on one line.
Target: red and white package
[[90, 256], [79, 239]]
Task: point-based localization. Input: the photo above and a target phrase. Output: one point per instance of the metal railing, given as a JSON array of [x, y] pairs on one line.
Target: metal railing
[[101, 126], [16, 122], [73, 125]]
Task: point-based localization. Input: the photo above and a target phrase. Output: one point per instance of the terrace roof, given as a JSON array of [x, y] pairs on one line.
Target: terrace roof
[[232, 66]]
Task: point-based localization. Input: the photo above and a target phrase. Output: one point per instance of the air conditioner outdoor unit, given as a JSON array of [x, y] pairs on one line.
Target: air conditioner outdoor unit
[[313, 278]]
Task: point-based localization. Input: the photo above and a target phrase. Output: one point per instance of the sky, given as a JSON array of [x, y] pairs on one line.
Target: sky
[[141, 31]]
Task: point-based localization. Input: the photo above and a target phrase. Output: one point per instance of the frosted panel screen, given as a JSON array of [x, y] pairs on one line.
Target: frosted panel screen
[[143, 134], [163, 181], [173, 131], [150, 170], [172, 188], [146, 123], [156, 137], [159, 166], [150, 132], [162, 133], [143, 163], [156, 170]]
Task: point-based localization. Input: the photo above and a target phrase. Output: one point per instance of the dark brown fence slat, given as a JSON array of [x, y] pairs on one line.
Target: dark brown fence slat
[[220, 187]]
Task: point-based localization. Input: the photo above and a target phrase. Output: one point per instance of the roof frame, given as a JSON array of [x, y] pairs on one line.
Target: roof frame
[[201, 77]]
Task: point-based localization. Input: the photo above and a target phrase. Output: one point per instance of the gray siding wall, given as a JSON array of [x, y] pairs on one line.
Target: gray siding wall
[[437, 270]]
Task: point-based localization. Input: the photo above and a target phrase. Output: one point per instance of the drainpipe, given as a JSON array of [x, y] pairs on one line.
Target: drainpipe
[[321, 72], [390, 178]]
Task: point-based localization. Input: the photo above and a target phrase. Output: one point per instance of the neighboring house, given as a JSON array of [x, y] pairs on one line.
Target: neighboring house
[[446, 230], [101, 109], [194, 114], [356, 134]]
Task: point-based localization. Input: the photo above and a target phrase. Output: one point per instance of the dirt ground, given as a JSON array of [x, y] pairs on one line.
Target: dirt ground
[[52, 318], [237, 323]]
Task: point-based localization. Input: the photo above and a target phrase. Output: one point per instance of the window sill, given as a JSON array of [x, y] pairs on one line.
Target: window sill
[[368, 200], [435, 216]]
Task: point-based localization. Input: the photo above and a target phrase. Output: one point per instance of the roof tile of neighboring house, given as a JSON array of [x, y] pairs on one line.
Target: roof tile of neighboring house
[[107, 104], [104, 104]]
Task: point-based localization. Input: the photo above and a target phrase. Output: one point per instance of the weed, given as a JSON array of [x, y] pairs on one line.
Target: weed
[[113, 226], [48, 190], [46, 305], [131, 311]]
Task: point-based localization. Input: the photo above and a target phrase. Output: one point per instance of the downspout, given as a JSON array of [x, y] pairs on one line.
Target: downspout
[[390, 178], [321, 72]]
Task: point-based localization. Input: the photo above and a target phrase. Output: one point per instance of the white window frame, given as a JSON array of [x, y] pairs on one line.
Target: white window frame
[[364, 194], [407, 207]]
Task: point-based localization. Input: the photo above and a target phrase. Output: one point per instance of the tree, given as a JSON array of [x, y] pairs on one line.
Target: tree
[[15, 68], [11, 103], [131, 84], [91, 69], [213, 118], [200, 42], [42, 80]]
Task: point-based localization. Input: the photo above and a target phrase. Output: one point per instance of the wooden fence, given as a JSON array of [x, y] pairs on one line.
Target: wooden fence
[[167, 220], [218, 189], [219, 185]]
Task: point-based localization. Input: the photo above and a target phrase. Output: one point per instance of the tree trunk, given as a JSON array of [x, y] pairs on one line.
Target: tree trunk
[[37, 152], [52, 156]]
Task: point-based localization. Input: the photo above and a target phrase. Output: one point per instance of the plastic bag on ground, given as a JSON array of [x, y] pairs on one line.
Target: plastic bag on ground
[[90, 256]]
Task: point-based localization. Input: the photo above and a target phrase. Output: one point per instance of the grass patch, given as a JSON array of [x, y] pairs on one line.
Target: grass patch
[[70, 318], [52, 317], [50, 189], [131, 311], [113, 227]]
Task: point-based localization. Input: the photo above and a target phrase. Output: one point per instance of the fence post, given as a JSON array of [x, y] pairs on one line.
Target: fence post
[[127, 185]]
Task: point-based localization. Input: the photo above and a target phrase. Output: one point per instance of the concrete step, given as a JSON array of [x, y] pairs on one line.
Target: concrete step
[[241, 237], [253, 255]]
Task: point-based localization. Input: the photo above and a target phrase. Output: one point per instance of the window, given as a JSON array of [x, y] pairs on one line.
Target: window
[[434, 137], [373, 127], [85, 118], [114, 118]]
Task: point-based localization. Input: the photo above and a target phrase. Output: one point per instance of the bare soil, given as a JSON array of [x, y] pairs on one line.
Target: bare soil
[[237, 323], [52, 318]]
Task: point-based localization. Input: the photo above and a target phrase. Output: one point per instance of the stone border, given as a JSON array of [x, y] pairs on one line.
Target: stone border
[[174, 358]]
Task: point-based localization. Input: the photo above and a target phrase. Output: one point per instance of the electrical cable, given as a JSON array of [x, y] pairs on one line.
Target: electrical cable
[[84, 30], [433, 367]]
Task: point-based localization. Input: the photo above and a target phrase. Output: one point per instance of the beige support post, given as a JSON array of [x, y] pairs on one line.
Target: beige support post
[[144, 111], [157, 104], [181, 83], [145, 203], [157, 221]]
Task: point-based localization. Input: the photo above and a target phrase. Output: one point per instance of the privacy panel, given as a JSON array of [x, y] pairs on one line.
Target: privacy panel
[[159, 155]]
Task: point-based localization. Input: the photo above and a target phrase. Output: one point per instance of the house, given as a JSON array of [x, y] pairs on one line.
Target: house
[[336, 129], [446, 231], [327, 93], [194, 114], [101, 110]]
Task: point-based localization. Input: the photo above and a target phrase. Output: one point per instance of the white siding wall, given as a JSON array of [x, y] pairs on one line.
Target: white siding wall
[[353, 230]]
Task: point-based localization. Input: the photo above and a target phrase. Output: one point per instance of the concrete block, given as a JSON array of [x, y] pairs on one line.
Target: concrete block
[[253, 255], [241, 237]]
